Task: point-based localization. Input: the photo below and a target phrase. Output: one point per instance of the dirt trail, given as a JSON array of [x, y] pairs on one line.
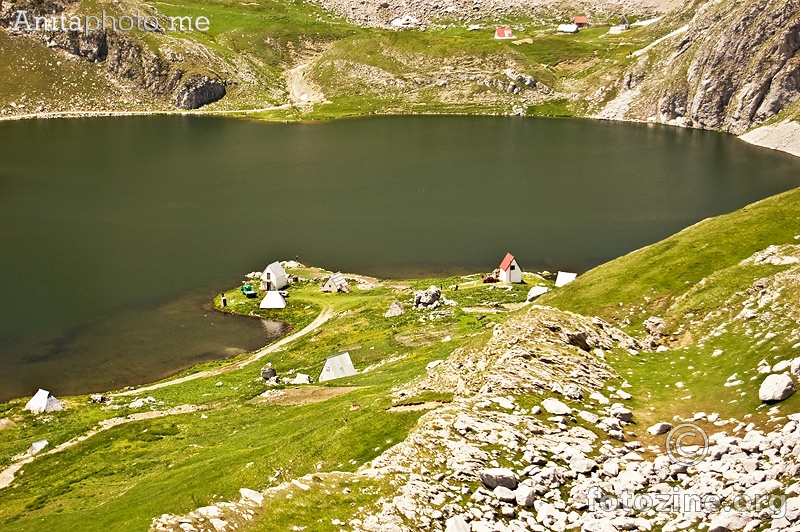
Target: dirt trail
[[7, 474]]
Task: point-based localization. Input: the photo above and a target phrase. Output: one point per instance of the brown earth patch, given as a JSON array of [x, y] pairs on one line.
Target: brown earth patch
[[302, 395]]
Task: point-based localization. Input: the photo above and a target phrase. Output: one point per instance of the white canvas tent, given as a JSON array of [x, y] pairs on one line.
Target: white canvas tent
[[273, 277], [336, 283], [536, 291], [336, 367], [565, 278], [43, 402], [567, 28], [395, 309], [37, 446], [272, 300]]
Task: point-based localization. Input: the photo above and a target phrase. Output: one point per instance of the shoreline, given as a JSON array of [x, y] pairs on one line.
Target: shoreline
[[782, 136]]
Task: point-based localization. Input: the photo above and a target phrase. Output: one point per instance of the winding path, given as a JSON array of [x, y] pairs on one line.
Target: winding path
[[7, 474], [324, 316]]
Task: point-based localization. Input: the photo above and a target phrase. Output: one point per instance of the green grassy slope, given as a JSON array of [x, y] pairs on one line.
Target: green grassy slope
[[695, 282]]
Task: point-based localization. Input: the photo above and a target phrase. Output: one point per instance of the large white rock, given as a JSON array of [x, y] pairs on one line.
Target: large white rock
[[252, 496], [728, 522], [556, 407], [525, 495], [599, 397], [457, 524], [776, 387], [796, 366], [581, 464], [504, 494]]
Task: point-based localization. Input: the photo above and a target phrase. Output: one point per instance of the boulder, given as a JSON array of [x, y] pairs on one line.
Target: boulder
[[252, 496], [525, 496], [581, 464], [621, 413], [428, 298], [659, 428], [776, 387], [796, 366], [301, 378], [556, 407], [498, 476], [728, 522], [655, 326], [268, 371], [782, 366], [504, 494], [456, 524], [573, 391]]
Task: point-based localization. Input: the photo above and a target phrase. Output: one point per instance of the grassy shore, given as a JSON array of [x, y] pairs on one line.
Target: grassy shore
[[122, 477]]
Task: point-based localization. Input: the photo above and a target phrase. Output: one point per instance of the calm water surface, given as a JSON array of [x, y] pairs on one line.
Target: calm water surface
[[116, 232]]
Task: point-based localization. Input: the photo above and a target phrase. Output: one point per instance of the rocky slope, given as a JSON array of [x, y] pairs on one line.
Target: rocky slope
[[539, 437], [735, 66], [415, 13]]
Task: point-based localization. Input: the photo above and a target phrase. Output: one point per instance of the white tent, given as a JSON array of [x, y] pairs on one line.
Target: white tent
[[567, 28], [272, 300], [43, 402], [565, 278], [301, 378], [274, 277], [37, 446], [536, 291], [336, 283], [395, 309], [336, 367]]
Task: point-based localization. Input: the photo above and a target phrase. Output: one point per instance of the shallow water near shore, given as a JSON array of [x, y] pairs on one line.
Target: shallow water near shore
[[115, 233]]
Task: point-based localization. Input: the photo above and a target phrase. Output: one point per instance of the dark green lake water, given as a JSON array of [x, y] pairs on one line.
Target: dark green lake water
[[116, 232]]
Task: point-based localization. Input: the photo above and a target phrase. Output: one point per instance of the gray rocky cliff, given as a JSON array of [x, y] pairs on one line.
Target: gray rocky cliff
[[126, 56], [737, 65]]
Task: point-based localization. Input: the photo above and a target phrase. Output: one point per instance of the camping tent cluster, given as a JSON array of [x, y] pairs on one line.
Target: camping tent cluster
[[43, 401]]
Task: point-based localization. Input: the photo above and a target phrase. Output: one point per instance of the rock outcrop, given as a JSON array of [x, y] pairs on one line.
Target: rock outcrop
[[126, 56], [199, 90], [734, 67]]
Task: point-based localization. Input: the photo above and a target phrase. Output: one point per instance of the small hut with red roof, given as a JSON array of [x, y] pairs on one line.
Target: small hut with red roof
[[504, 32], [510, 272]]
